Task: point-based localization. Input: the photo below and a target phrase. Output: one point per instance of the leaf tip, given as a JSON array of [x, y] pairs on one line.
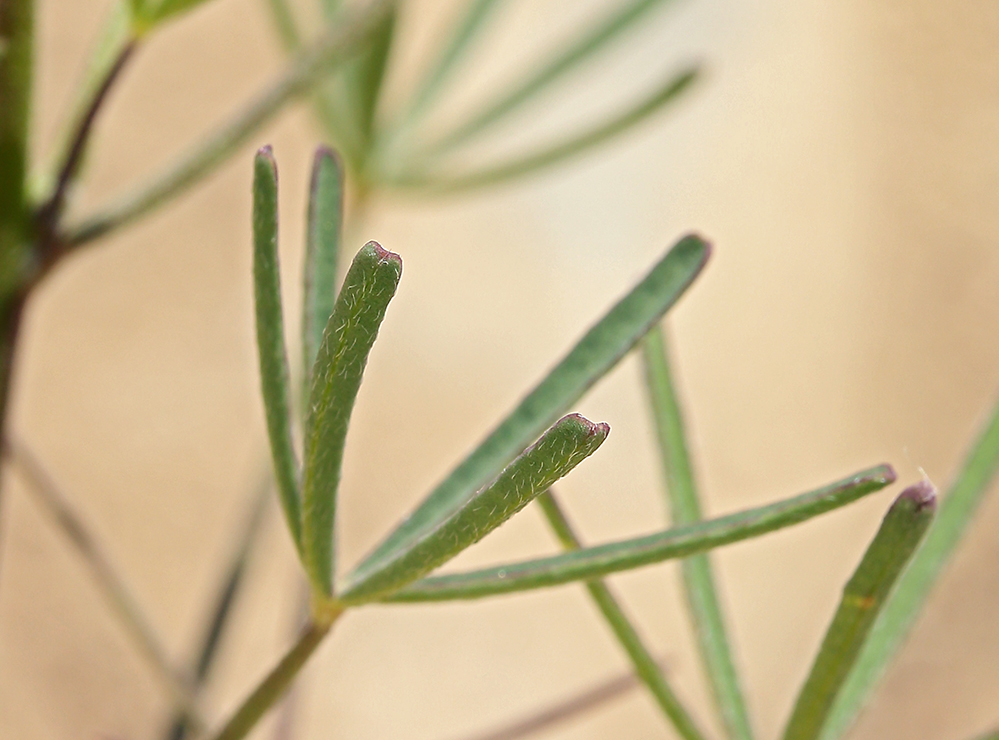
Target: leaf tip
[[587, 427], [383, 255], [265, 157], [923, 495]]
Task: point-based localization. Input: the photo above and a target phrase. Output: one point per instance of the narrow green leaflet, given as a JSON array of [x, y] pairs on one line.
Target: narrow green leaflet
[[661, 96], [645, 665], [351, 330], [595, 354], [900, 534], [433, 82], [904, 605], [570, 441], [363, 76], [679, 542], [685, 508], [274, 380], [324, 226], [599, 35]]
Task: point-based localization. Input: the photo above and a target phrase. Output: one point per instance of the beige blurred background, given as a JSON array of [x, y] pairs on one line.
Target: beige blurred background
[[842, 156]]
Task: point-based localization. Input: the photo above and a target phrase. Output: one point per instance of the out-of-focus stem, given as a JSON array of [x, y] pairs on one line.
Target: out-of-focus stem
[[108, 578]]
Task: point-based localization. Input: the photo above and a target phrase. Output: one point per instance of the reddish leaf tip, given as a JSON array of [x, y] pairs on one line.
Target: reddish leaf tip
[[590, 428], [922, 494], [385, 255]]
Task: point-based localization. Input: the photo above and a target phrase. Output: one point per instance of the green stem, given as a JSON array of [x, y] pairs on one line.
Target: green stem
[[276, 683], [645, 665], [337, 44], [685, 508]]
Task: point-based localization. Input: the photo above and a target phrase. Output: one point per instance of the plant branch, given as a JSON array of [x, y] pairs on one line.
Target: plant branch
[[645, 665], [563, 711], [698, 581], [108, 578], [274, 686], [50, 212], [337, 44]]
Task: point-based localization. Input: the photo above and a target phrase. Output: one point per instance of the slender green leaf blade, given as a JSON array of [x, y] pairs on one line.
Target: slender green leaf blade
[[433, 82], [900, 534], [324, 225], [679, 542], [597, 352], [645, 665], [551, 155], [274, 377], [370, 284], [685, 508], [596, 37], [570, 441], [905, 603], [363, 77]]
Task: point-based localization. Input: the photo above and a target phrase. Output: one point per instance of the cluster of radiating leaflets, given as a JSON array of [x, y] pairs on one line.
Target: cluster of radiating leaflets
[[341, 69], [534, 446]]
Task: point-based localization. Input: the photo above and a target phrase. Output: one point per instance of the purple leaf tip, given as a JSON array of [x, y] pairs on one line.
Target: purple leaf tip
[[923, 494]]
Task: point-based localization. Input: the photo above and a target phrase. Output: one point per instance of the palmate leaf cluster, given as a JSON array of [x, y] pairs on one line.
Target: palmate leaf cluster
[[341, 69], [513, 466]]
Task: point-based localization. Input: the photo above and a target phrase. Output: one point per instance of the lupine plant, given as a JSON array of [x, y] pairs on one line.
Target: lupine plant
[[540, 441]]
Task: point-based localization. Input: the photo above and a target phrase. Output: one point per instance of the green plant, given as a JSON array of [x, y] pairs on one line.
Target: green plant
[[535, 445]]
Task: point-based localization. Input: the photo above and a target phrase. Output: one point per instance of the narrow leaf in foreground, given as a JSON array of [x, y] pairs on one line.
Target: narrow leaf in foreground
[[641, 658], [597, 352], [270, 339], [679, 542], [900, 534], [662, 95], [685, 508], [324, 224], [351, 330], [905, 603], [570, 441]]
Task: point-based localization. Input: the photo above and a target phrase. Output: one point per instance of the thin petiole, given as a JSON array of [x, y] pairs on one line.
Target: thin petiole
[[277, 682], [685, 508], [645, 665]]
